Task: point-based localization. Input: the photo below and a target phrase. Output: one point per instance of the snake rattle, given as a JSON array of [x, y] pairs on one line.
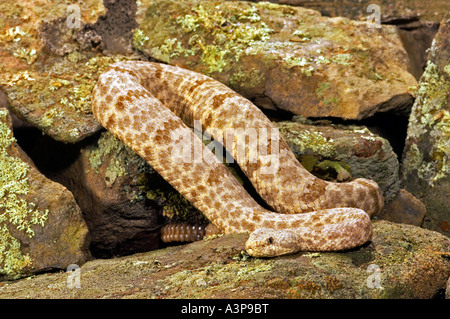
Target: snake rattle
[[150, 106]]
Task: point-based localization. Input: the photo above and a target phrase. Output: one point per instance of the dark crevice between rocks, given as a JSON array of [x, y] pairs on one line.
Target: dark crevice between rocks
[[111, 34], [49, 156], [416, 37], [114, 28]]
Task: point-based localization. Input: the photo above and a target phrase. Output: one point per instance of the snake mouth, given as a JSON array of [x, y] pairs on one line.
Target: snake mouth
[[266, 242]]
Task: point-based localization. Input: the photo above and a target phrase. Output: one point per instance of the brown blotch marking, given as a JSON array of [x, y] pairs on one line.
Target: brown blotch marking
[[126, 122], [245, 224], [137, 122], [108, 98], [194, 86], [120, 105], [111, 121], [158, 71], [372, 193], [217, 205], [171, 124], [131, 72], [219, 98], [257, 218], [207, 200]]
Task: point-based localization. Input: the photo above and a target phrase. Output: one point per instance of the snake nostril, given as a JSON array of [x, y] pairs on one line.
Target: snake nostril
[[270, 240]]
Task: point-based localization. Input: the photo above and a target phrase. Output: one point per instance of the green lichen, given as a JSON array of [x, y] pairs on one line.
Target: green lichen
[[343, 59], [15, 210], [310, 140], [219, 35], [323, 86], [334, 169], [139, 39], [249, 80], [228, 276], [108, 144], [175, 206], [430, 116]]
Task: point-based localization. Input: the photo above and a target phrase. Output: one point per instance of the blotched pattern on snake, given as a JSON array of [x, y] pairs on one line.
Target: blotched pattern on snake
[[150, 107]]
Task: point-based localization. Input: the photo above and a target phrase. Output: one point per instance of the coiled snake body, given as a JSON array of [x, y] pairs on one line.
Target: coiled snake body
[[149, 106]]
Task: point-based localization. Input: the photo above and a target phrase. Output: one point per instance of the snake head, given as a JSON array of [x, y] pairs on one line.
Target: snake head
[[267, 242]]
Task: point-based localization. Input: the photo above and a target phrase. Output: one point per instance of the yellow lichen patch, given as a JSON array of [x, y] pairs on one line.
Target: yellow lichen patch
[[430, 116], [15, 210], [217, 34]]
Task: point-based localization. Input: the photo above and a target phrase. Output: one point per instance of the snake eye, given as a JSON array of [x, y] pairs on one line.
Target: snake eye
[[270, 240]]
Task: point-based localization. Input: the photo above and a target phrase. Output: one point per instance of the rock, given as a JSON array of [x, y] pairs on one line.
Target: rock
[[401, 261], [281, 57], [433, 10], [366, 154], [49, 62], [405, 209], [425, 165], [41, 226], [417, 22]]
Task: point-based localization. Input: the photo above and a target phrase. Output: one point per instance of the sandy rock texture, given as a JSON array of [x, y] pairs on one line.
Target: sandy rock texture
[[401, 261]]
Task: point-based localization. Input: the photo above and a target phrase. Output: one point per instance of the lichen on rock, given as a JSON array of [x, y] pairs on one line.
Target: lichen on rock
[[293, 58], [15, 210], [354, 150], [48, 67], [429, 116], [426, 157]]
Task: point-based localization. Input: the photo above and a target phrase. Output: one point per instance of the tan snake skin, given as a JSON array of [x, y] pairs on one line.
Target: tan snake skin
[[145, 103]]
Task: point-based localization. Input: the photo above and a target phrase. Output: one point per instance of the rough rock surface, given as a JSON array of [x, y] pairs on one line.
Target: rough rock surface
[[41, 226], [49, 62], [281, 57], [360, 152], [108, 180], [432, 10], [405, 209], [401, 261], [49, 59], [426, 158], [417, 21]]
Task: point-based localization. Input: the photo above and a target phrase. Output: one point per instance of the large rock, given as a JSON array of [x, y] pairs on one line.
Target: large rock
[[426, 158], [401, 261], [41, 226], [49, 60], [282, 57], [417, 21], [432, 10]]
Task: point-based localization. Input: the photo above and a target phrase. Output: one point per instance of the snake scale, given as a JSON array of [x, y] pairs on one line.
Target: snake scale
[[144, 104]]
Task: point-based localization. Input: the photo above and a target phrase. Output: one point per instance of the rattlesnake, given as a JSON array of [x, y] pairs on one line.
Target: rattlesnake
[[145, 103]]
